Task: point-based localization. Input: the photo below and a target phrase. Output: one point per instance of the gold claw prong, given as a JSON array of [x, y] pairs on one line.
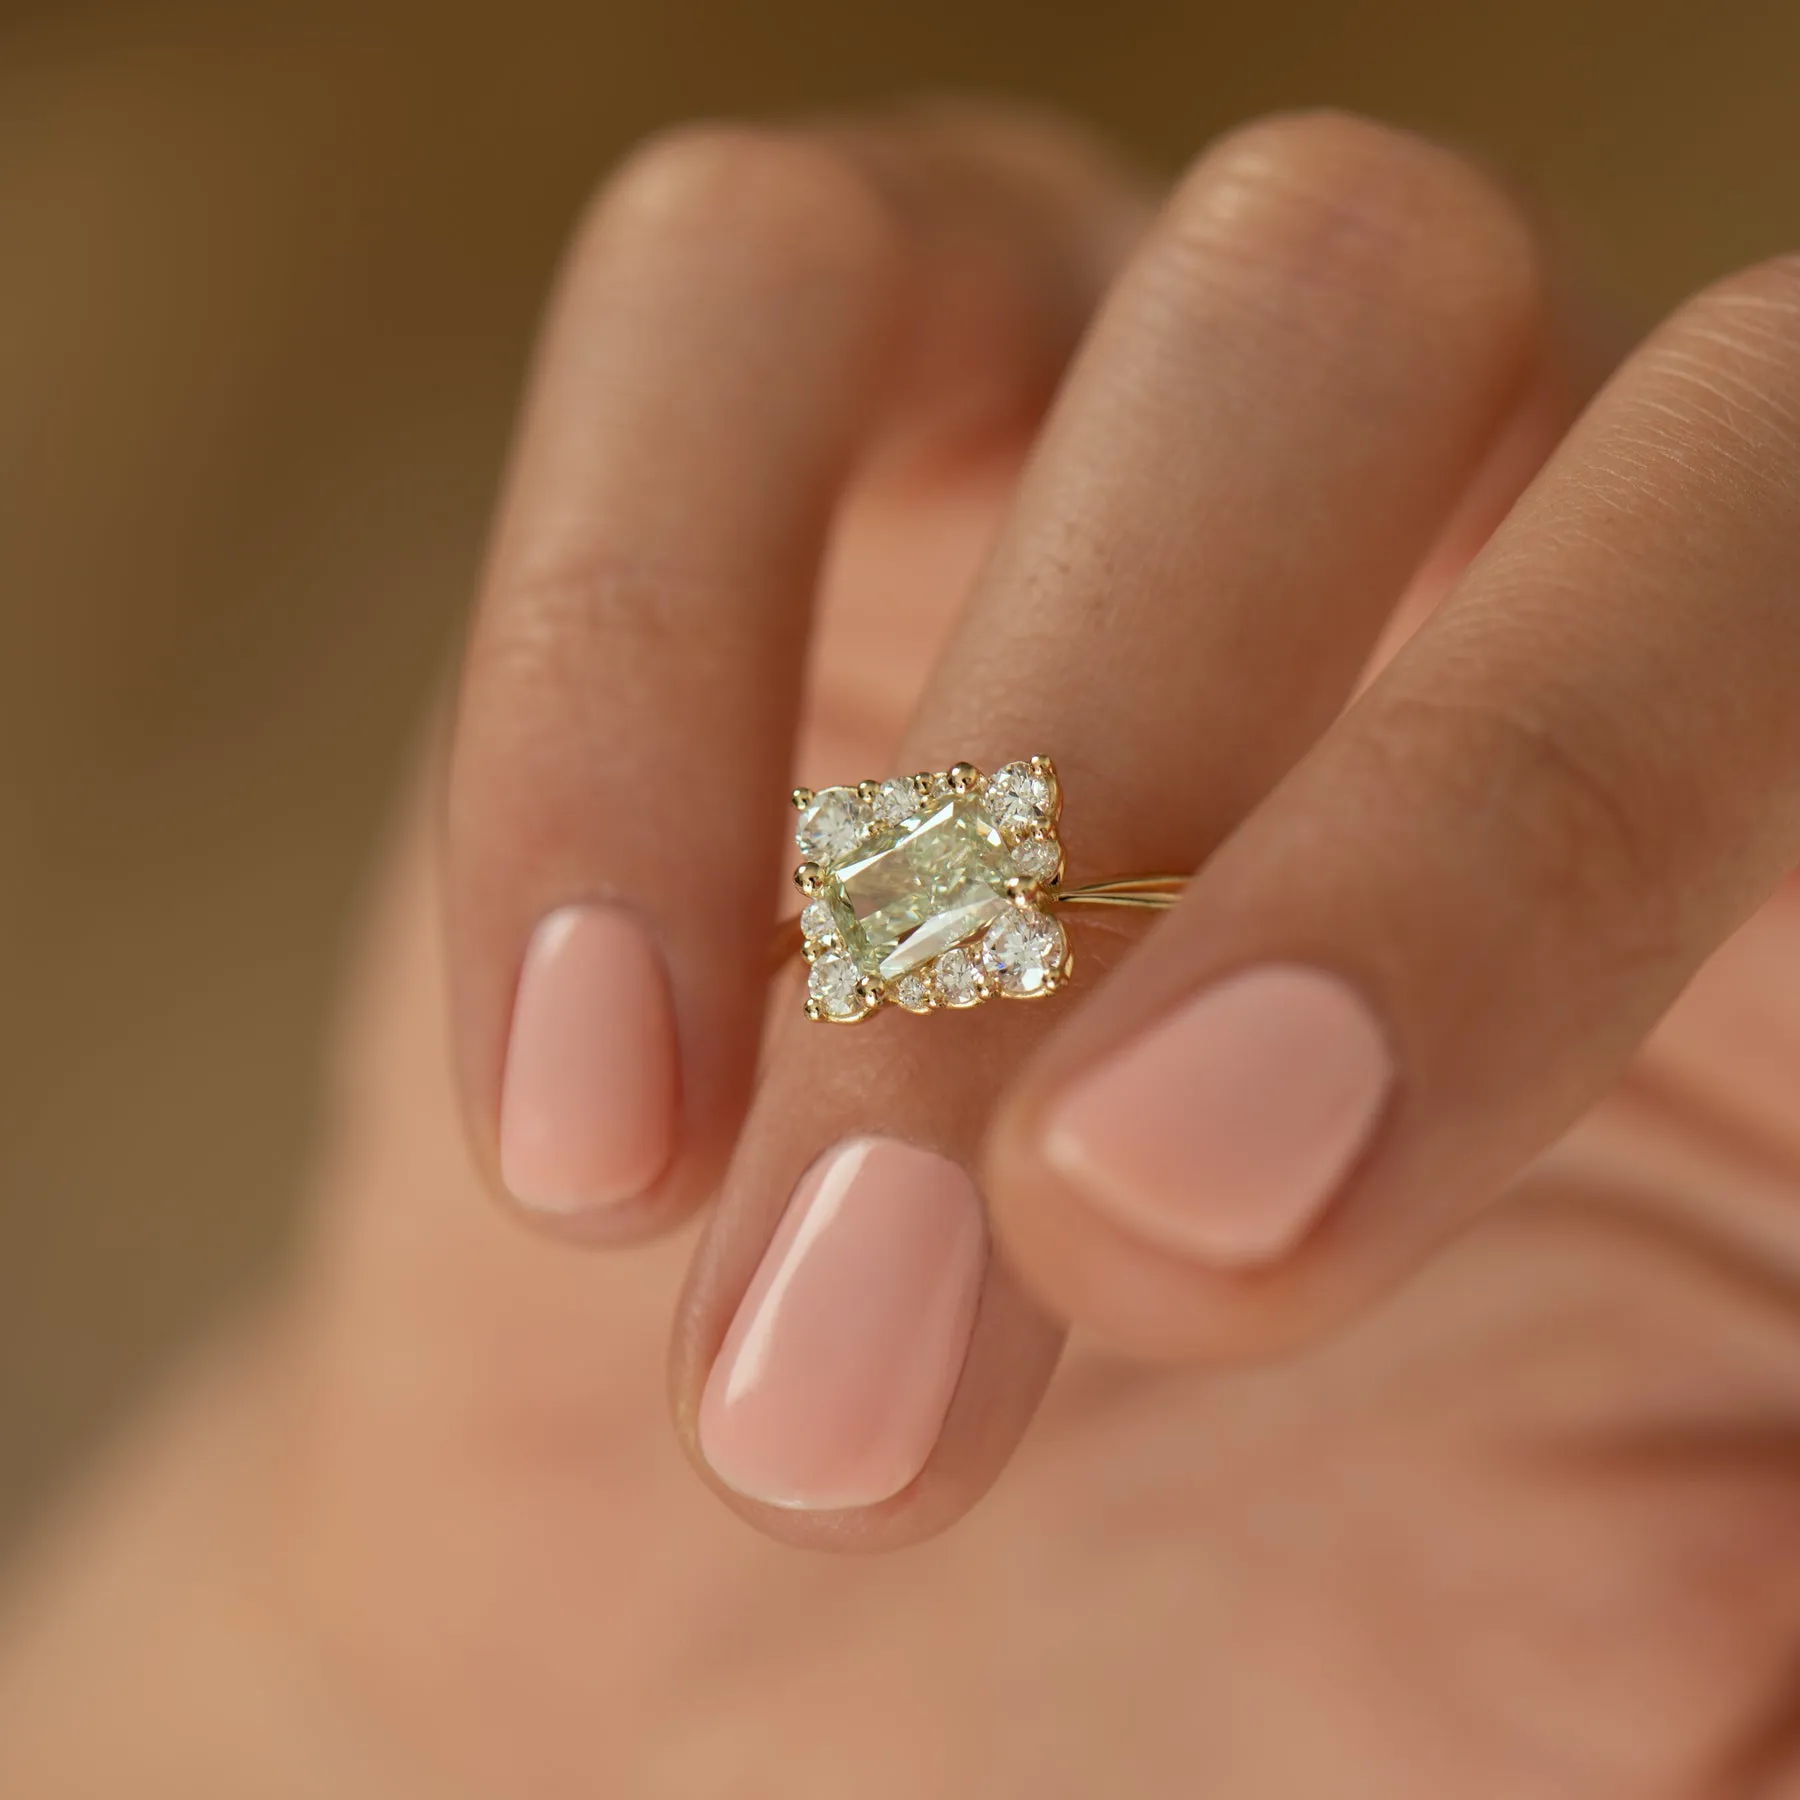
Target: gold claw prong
[[802, 798], [867, 790], [962, 777], [809, 878], [870, 991], [922, 784], [809, 951], [814, 1011]]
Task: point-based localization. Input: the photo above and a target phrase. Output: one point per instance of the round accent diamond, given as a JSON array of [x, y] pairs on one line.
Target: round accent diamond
[[819, 922], [958, 979], [831, 981], [1020, 798], [914, 992], [1037, 858], [896, 801], [832, 825], [1023, 952]]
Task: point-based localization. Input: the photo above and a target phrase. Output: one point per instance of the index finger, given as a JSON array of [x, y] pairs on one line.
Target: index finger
[[741, 312]]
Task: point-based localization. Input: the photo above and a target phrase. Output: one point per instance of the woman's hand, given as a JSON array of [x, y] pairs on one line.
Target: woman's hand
[[1293, 379], [1524, 1526]]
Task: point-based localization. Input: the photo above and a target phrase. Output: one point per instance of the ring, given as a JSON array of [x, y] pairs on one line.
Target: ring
[[940, 890]]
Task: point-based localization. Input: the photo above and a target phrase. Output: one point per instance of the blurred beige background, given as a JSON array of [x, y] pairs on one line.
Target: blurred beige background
[[267, 278]]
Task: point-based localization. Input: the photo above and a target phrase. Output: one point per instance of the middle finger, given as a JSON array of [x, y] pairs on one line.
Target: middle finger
[[1282, 401]]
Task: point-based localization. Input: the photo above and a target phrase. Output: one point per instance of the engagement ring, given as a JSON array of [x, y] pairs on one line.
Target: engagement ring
[[941, 890]]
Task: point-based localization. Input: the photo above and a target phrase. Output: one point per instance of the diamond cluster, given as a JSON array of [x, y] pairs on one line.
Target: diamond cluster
[[932, 890]]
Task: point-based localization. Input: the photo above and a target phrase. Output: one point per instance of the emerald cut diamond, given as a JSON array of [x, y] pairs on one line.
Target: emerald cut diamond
[[916, 884], [918, 890]]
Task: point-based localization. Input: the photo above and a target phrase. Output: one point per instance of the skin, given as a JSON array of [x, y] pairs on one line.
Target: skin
[[1519, 1524]]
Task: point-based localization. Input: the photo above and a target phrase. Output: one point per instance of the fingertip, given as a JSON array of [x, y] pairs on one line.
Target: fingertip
[[1223, 1130], [1169, 1191], [589, 1118], [830, 1389]]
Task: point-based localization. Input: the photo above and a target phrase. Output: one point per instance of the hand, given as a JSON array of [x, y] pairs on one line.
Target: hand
[[1524, 1526]]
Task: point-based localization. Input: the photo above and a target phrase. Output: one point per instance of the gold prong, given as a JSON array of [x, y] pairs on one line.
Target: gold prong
[[814, 1011], [1015, 887], [802, 798], [963, 776], [867, 790], [870, 991], [809, 878], [809, 951], [922, 784], [1044, 766]]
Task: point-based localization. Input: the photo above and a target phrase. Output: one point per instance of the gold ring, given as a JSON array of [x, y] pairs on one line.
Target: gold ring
[[940, 890]]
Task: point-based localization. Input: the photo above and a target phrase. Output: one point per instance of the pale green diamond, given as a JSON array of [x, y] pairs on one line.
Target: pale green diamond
[[913, 893]]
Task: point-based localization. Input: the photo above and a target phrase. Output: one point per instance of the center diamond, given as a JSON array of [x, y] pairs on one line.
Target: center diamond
[[913, 894]]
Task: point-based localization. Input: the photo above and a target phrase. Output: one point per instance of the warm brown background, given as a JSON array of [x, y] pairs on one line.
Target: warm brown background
[[267, 275]]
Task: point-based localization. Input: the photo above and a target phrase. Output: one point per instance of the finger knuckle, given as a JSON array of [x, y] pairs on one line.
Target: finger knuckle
[[758, 196], [1548, 790], [1301, 207], [556, 619]]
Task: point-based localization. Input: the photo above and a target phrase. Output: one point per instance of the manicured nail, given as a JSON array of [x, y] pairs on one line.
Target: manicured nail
[[835, 1376], [588, 1105], [1223, 1132]]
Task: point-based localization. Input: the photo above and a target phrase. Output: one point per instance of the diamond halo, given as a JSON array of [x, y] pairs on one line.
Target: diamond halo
[[931, 891]]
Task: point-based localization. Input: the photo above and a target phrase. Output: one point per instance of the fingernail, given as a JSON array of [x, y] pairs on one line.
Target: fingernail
[[835, 1376], [588, 1102], [1223, 1132]]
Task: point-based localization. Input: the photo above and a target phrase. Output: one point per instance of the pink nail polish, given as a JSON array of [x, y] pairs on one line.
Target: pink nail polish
[[1223, 1132], [833, 1381], [588, 1104]]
